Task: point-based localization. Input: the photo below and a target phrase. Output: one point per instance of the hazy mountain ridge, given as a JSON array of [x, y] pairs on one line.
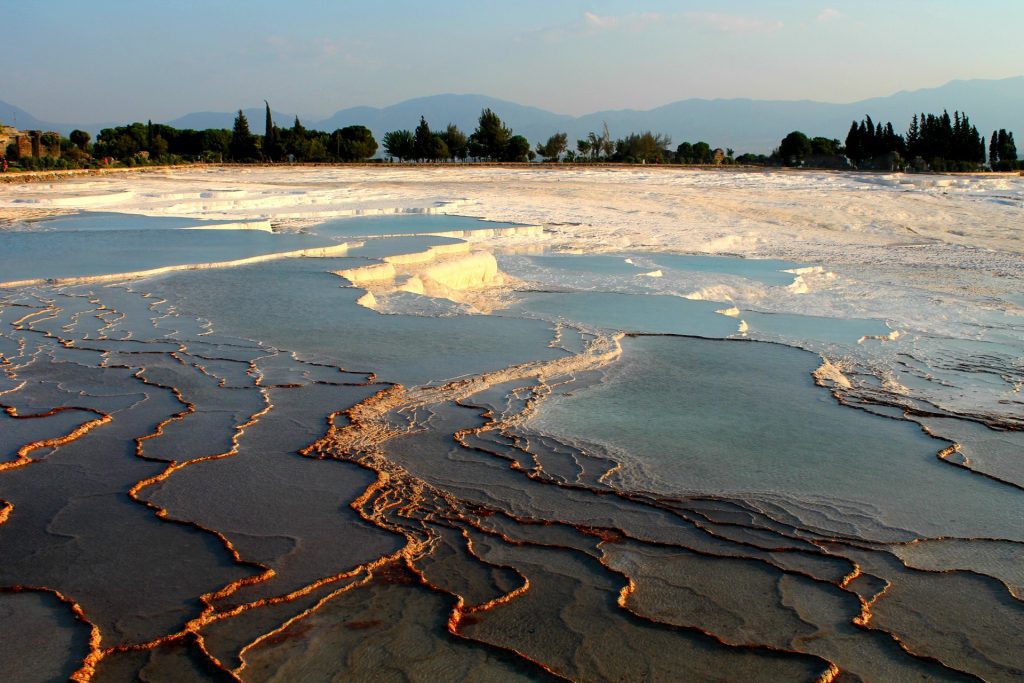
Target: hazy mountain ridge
[[744, 124]]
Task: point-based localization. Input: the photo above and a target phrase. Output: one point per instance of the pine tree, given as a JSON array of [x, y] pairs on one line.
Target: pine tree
[[891, 144], [456, 141], [243, 143], [424, 141], [913, 137], [490, 138], [1009, 149], [993, 149]]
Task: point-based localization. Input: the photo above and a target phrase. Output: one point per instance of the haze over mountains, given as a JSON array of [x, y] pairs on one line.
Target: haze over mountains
[[745, 125]]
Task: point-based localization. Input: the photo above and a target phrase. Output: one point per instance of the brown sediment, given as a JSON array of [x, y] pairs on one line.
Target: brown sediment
[[191, 629], [460, 615], [398, 502], [864, 618], [460, 611], [87, 668], [22, 456]]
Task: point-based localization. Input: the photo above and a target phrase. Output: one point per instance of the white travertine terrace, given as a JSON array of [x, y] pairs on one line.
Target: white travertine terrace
[[939, 259], [829, 373], [448, 272]]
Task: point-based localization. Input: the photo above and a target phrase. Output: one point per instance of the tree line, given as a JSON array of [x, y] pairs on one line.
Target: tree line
[[494, 141], [937, 142]]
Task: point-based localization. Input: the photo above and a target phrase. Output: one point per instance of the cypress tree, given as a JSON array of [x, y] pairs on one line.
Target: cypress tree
[[913, 137], [993, 148], [853, 143], [1007, 147], [269, 136]]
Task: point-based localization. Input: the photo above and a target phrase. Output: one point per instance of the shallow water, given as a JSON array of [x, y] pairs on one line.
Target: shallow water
[[31, 255], [305, 309], [243, 472], [394, 225], [106, 221], [744, 420]]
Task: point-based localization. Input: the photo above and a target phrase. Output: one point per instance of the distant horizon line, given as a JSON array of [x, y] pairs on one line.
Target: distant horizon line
[[317, 117]]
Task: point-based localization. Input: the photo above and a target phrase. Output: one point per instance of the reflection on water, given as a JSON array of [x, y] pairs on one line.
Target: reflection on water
[[302, 307], [393, 225], [242, 472], [109, 221]]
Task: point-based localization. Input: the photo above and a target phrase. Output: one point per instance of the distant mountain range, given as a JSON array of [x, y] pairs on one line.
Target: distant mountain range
[[745, 125]]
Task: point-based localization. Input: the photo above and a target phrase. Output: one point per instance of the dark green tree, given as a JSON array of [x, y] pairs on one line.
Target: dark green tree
[[437, 148], [158, 147], [400, 143], [122, 142], [554, 147], [353, 143], [794, 148], [684, 153], [646, 147], [583, 148], [243, 142], [216, 144], [702, 153], [825, 146], [456, 141], [423, 140], [80, 139], [517, 149], [913, 139], [491, 137], [1003, 151], [1007, 146], [270, 145]]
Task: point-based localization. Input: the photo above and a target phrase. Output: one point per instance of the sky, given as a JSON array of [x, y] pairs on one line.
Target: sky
[[114, 60]]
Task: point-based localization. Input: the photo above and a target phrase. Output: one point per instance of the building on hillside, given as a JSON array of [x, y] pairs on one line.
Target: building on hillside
[[7, 134], [29, 143]]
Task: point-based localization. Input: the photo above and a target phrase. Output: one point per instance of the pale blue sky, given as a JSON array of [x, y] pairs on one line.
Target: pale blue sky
[[101, 60]]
